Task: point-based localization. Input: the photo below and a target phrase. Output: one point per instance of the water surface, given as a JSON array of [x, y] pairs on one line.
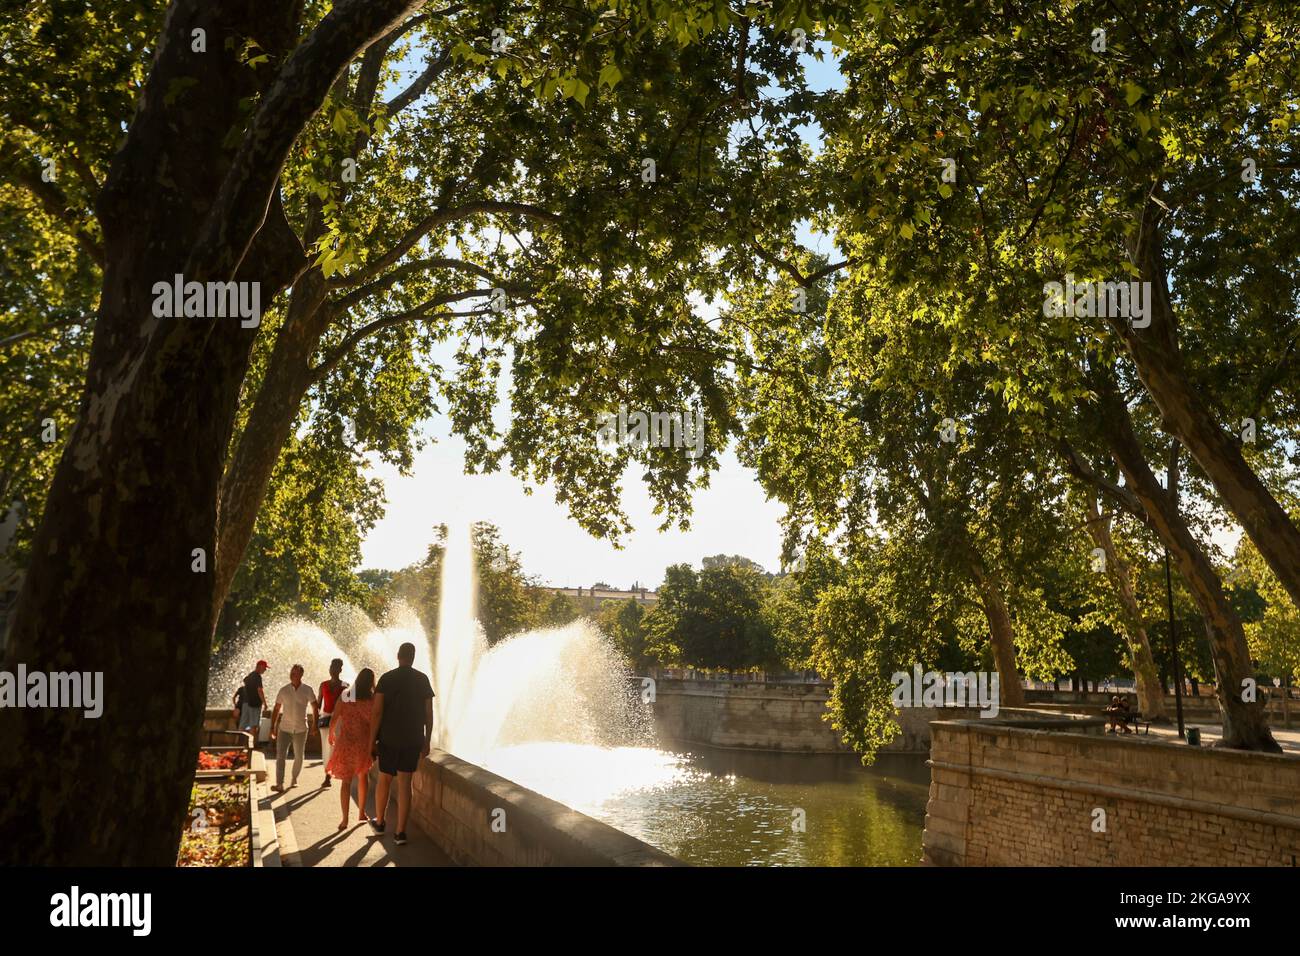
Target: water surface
[[735, 808]]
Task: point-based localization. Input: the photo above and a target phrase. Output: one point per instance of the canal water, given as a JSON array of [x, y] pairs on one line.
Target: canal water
[[735, 808]]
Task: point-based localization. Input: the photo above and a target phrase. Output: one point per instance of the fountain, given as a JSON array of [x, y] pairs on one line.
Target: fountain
[[282, 643], [562, 685], [554, 685], [554, 710], [378, 648]]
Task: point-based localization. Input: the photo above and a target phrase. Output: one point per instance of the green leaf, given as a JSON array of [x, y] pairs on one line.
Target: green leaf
[[610, 74]]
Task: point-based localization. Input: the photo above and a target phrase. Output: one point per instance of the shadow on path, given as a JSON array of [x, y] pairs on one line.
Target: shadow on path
[[308, 815]]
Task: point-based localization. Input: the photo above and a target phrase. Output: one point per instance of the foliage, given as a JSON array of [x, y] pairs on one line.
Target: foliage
[[559, 610], [722, 560], [711, 619], [1274, 635], [508, 601], [624, 623], [307, 539], [217, 831]]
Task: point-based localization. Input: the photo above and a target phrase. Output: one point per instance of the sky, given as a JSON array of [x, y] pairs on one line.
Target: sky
[[731, 516]]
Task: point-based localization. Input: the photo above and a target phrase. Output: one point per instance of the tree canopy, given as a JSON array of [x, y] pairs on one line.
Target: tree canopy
[[606, 205]]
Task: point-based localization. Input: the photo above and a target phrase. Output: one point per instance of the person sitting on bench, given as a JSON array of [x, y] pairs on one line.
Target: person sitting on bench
[[1119, 714]]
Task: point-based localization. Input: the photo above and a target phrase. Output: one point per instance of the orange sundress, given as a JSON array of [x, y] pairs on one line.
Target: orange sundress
[[352, 743]]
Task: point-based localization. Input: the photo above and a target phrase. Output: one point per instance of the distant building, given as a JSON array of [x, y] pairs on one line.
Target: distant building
[[594, 597]]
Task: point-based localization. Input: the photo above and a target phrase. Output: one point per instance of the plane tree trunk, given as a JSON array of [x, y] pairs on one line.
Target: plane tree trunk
[[1186, 415], [270, 423], [1151, 698], [120, 579], [1245, 725], [1001, 634]]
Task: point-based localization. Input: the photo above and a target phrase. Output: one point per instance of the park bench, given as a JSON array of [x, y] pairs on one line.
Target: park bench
[[1133, 720]]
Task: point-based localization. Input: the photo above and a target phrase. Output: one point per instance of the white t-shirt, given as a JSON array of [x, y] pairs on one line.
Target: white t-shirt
[[293, 706]]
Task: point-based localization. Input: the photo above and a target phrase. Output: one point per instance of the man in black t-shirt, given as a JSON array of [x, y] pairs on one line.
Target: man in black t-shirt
[[252, 701], [402, 721]]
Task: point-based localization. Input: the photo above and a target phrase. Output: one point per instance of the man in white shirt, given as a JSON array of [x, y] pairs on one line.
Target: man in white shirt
[[292, 702]]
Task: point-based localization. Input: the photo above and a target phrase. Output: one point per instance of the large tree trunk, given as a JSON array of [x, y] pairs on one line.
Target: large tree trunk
[[1151, 698], [111, 585], [1186, 416], [1245, 725], [1002, 636]]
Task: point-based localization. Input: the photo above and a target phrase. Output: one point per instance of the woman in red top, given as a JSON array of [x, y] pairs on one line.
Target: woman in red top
[[351, 737], [330, 691]]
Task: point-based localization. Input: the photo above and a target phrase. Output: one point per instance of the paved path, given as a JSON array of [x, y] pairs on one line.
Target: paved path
[[307, 819], [1212, 732]]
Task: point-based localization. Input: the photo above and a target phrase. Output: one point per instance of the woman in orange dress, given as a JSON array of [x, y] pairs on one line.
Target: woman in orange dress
[[351, 738]]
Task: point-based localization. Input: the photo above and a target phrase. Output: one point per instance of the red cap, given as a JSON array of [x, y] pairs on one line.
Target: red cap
[[263, 664]]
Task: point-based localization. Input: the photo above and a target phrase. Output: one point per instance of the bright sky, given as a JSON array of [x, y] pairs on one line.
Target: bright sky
[[731, 517]]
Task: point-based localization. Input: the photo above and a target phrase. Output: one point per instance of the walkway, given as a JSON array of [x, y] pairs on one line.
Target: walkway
[[307, 819], [1289, 740]]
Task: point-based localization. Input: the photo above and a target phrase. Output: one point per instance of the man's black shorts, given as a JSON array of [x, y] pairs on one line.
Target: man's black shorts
[[398, 759]]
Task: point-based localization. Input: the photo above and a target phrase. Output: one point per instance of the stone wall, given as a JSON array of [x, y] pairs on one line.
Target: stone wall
[[788, 717], [480, 819], [1009, 796], [745, 715]]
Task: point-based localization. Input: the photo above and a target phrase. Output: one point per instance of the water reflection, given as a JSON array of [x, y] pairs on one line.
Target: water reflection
[[730, 808]]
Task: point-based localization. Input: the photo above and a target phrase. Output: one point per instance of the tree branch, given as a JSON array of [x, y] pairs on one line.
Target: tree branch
[[421, 311], [1056, 177], [784, 265], [1077, 466], [56, 203], [427, 225], [406, 269], [420, 85], [70, 151], [294, 97]]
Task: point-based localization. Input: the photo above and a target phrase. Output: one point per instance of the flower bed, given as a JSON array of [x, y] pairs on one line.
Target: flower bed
[[218, 832], [223, 760]]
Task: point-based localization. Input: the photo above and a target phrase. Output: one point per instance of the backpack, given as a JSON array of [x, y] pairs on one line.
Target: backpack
[[239, 696]]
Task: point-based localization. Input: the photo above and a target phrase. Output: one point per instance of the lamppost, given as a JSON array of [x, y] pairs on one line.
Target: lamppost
[[1173, 641]]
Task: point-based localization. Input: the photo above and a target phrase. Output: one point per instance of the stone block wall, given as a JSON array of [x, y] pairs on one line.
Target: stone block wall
[[745, 715], [1008, 796], [788, 717], [480, 819]]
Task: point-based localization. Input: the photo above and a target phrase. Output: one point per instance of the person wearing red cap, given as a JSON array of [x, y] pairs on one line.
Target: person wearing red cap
[[252, 700]]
